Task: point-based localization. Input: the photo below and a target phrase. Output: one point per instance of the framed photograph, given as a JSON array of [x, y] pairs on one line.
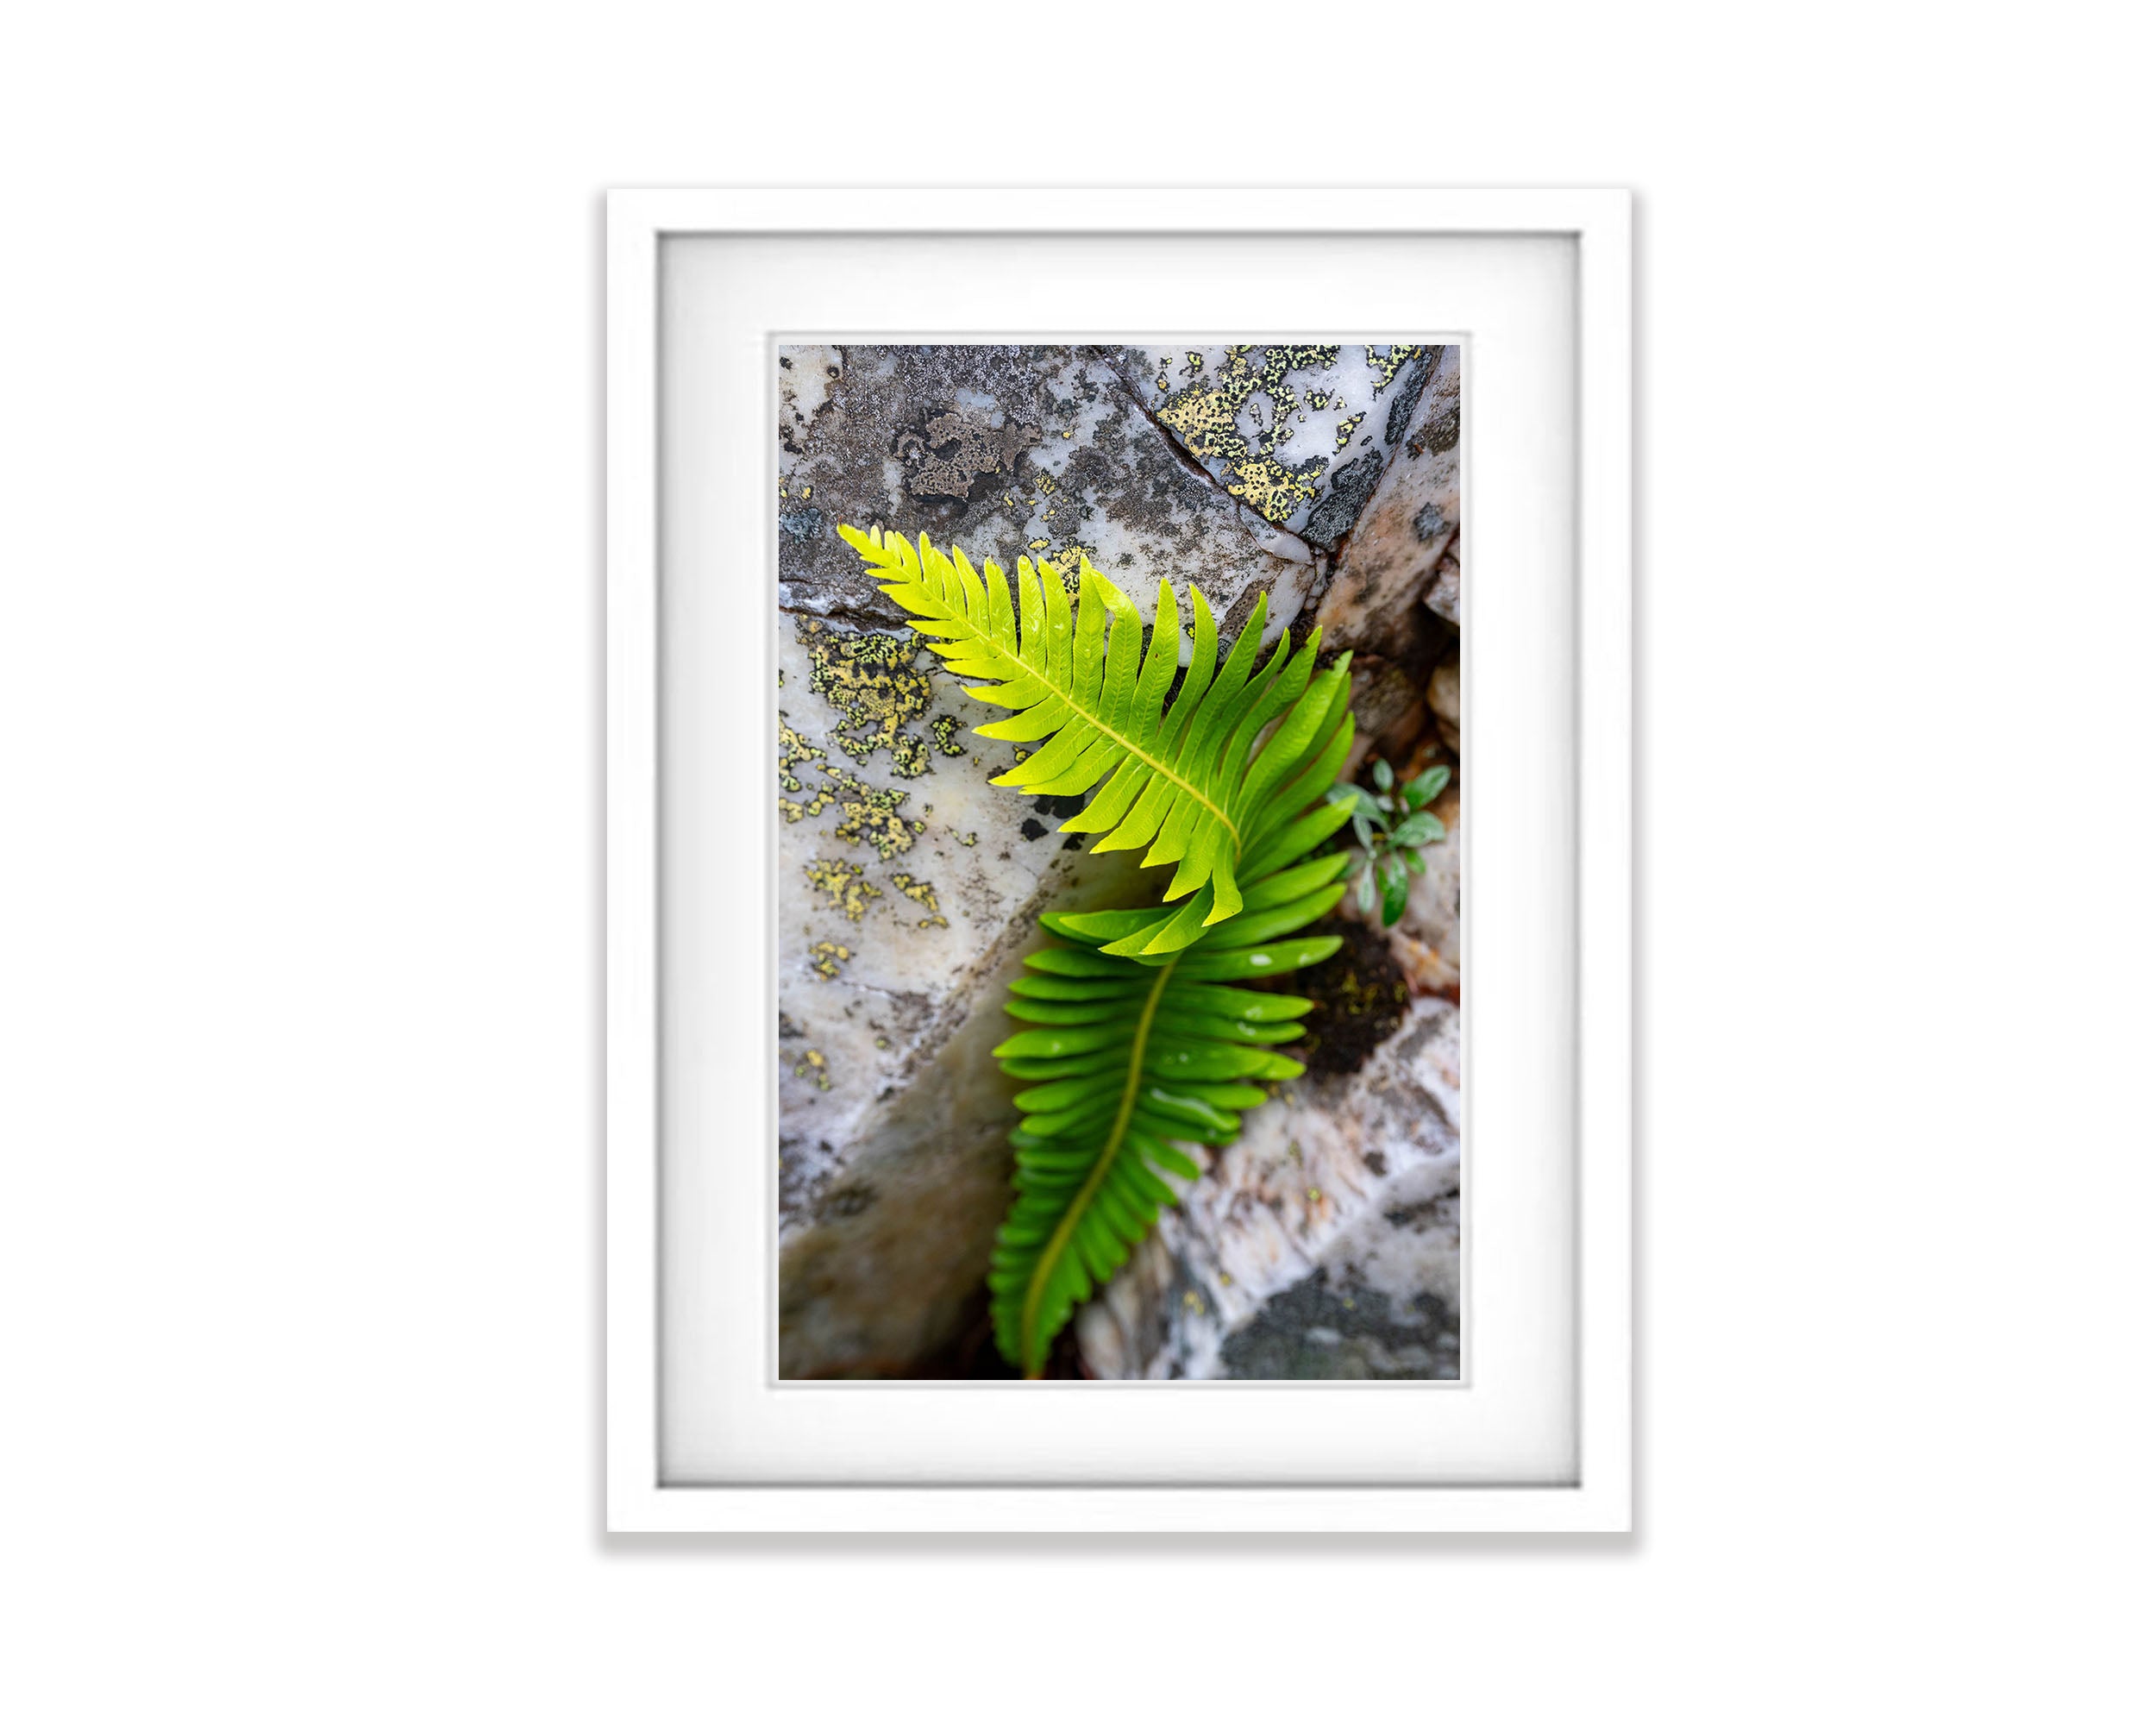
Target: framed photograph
[[1118, 860]]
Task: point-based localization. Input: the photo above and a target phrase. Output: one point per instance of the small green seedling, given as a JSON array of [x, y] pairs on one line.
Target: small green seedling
[[1390, 829]]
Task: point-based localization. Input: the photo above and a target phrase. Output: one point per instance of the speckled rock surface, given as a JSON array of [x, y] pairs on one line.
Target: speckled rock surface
[[1303, 434], [908, 885]]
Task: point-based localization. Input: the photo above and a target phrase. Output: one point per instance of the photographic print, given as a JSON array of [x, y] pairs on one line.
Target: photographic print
[[1119, 759]]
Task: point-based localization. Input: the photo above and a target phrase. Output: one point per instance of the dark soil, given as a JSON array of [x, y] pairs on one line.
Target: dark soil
[[1359, 996]]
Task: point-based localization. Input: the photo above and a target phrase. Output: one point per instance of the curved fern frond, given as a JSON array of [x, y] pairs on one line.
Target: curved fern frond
[[1122, 1059], [1222, 780]]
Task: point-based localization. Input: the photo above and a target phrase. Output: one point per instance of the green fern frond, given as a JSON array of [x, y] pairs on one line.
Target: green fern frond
[[1226, 781], [1123, 1058]]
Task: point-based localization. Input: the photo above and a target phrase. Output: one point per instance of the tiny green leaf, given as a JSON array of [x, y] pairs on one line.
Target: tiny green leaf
[[1393, 880], [1425, 785], [1381, 776], [1365, 891], [1419, 828]]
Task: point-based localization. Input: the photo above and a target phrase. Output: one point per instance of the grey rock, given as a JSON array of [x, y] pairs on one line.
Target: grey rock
[[1325, 1242]]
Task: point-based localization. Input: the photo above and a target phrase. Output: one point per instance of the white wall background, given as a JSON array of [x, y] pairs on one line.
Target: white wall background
[[298, 462]]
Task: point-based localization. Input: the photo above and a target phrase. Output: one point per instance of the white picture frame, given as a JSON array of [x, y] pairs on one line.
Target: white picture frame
[[1595, 1495]]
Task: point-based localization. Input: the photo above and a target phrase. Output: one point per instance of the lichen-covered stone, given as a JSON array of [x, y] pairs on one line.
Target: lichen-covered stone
[[1301, 433], [1390, 561]]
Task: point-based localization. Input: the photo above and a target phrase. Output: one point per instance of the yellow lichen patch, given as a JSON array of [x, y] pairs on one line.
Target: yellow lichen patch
[[1070, 562], [924, 894], [872, 682], [1205, 416], [813, 1065], [849, 892], [1388, 367], [944, 729], [871, 817], [1345, 430], [867, 815], [793, 748], [1205, 419], [970, 840], [825, 956], [1275, 492]]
